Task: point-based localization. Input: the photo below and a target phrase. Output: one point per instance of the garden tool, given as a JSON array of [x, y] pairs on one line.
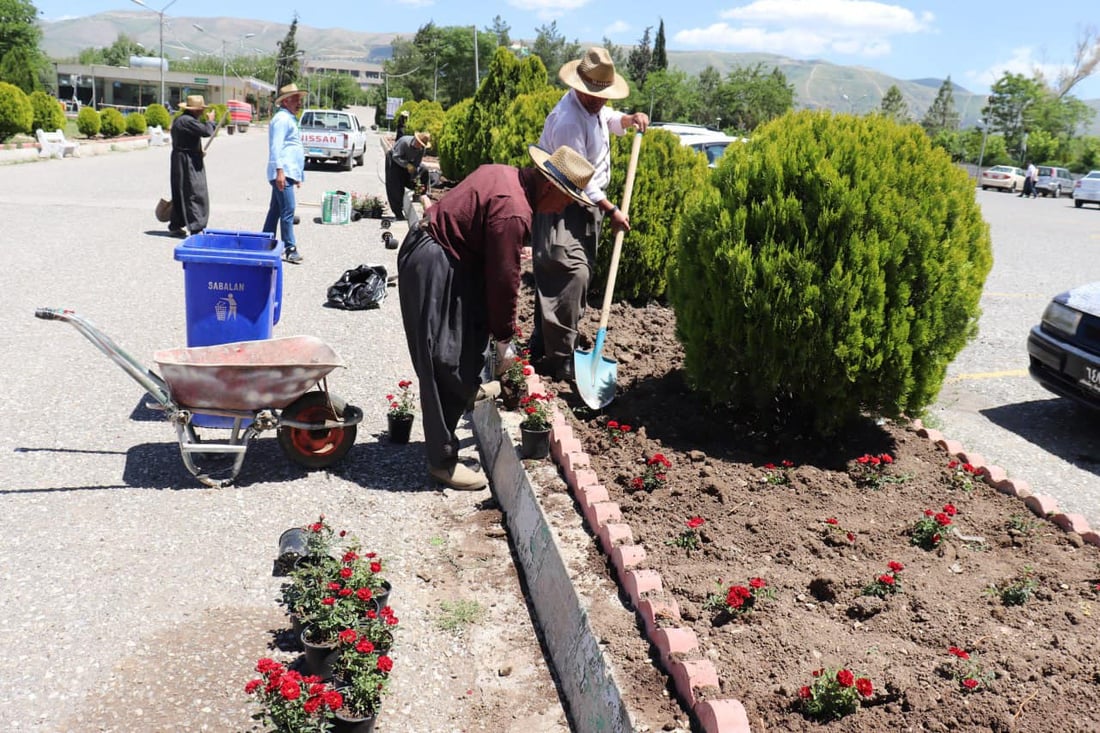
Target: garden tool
[[215, 134], [595, 374]]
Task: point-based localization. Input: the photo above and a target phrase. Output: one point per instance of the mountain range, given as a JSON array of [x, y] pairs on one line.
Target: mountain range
[[817, 84]]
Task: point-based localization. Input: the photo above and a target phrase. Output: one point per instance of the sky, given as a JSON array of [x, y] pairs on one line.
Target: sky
[[972, 41]]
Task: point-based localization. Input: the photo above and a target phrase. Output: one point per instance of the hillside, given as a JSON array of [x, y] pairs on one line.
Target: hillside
[[817, 84]]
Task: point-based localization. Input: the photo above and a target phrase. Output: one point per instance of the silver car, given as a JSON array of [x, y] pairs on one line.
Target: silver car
[[1087, 190], [1054, 181]]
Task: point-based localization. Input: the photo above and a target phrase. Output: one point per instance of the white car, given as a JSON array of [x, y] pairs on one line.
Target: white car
[[1004, 177], [1087, 190], [711, 143]]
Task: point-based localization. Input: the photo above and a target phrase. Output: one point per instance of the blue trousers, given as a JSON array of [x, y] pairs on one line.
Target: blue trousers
[[280, 211]]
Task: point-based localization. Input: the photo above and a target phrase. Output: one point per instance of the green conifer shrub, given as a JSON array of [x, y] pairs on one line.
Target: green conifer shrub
[[47, 112], [834, 268], [16, 113], [87, 122], [423, 116], [135, 123], [156, 114], [670, 177], [451, 145], [522, 125], [111, 122]]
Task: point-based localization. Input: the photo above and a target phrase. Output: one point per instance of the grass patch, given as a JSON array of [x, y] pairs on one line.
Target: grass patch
[[455, 616]]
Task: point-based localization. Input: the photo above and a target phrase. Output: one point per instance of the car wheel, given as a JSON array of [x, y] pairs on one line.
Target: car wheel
[[985, 188], [1078, 203], [1057, 192], [1013, 189]]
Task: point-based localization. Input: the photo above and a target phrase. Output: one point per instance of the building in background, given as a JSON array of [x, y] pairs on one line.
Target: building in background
[[365, 74]]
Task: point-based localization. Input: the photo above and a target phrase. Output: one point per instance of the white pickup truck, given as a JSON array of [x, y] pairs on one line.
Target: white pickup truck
[[329, 134]]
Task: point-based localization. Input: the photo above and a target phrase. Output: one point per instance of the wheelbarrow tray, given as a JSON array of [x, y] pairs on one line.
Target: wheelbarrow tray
[[246, 375]]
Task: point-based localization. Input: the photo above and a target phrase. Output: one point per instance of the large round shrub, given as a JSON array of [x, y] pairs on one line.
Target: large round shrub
[[111, 122], [156, 114], [16, 113], [452, 140], [835, 269], [135, 123], [521, 125], [87, 122], [47, 112]]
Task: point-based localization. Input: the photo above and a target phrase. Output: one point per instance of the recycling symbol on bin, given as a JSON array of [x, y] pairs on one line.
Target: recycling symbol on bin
[[226, 308]]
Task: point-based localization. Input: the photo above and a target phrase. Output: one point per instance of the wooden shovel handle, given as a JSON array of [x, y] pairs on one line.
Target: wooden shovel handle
[[628, 189]]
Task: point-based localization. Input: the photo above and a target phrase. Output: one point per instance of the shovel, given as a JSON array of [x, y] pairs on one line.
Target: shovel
[[595, 374]]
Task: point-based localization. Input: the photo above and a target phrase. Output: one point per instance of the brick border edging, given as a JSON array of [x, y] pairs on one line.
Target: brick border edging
[[678, 646]]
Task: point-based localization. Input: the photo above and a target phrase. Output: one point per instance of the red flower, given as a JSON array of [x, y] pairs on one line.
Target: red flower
[[886, 579], [817, 672], [950, 510], [290, 690], [659, 458], [612, 424], [345, 573], [266, 665], [252, 686], [737, 596], [334, 586], [757, 583], [385, 664], [365, 647], [970, 683], [344, 592], [788, 464], [624, 428], [928, 512], [864, 459], [404, 383], [960, 653], [845, 678], [348, 636], [389, 398], [887, 458], [376, 567], [334, 700], [350, 555], [952, 463], [637, 483], [832, 520], [364, 594], [896, 566], [695, 522], [864, 687], [942, 519], [330, 601], [316, 526], [769, 466], [851, 538], [312, 704], [804, 692]]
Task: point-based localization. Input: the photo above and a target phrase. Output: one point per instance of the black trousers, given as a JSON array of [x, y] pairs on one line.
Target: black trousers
[[444, 314], [398, 179]]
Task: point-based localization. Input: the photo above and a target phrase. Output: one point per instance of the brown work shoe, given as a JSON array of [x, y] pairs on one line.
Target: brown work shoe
[[459, 478]]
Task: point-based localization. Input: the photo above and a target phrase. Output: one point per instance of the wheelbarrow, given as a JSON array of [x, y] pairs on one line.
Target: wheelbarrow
[[259, 385]]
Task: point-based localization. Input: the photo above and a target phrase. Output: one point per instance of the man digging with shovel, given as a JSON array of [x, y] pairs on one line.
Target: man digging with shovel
[[459, 276]]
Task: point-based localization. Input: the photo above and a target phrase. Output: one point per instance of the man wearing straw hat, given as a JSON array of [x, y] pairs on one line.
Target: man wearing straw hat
[[286, 167], [190, 197], [564, 245], [402, 164], [458, 281]]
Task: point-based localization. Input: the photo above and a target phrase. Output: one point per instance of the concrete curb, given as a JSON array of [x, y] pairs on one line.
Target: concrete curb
[[592, 695], [568, 636]]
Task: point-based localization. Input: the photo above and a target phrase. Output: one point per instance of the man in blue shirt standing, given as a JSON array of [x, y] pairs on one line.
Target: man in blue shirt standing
[[286, 165]]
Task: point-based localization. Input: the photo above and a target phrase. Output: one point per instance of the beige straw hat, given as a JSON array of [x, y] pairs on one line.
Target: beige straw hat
[[290, 90], [194, 103], [594, 74], [424, 138], [565, 168]]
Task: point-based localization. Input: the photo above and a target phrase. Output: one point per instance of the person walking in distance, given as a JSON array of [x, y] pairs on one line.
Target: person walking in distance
[[402, 166], [564, 244], [458, 282], [286, 166], [190, 196]]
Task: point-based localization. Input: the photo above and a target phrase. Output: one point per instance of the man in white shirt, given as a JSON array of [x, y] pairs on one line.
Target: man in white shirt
[[564, 245]]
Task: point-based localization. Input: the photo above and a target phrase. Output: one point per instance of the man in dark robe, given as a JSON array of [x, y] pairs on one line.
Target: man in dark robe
[[190, 198], [402, 166]]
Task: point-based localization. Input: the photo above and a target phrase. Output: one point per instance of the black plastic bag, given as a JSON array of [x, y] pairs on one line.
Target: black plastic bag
[[361, 288]]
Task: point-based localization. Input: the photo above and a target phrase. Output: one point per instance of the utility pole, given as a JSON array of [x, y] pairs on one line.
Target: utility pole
[[162, 64], [477, 74]]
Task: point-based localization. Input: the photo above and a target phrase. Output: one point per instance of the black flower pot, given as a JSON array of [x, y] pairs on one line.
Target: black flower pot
[[400, 427], [534, 443]]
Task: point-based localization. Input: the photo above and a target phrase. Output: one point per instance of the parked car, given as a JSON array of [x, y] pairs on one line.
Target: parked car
[[1087, 190], [712, 143], [329, 134], [1004, 177], [1054, 181], [1064, 349]]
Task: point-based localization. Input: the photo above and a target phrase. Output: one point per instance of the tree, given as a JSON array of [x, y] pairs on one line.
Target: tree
[[640, 59], [894, 106], [615, 52], [1013, 102], [501, 30], [660, 56], [667, 95], [706, 85], [1086, 57], [21, 61], [750, 97], [550, 46], [942, 115], [287, 63]]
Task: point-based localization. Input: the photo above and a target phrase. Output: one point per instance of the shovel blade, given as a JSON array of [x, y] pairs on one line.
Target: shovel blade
[[595, 374]]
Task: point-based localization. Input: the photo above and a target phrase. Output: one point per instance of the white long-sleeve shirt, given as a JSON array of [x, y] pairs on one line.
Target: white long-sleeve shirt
[[569, 123]]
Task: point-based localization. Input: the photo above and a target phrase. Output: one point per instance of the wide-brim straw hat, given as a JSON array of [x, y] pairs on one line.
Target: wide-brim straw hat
[[566, 169], [424, 138], [193, 103], [290, 90], [594, 74]]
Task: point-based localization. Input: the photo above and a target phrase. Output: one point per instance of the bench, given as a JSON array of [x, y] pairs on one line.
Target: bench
[[157, 136], [52, 144]]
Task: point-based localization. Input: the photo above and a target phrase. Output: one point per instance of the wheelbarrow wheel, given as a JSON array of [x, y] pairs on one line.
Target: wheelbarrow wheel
[[316, 448]]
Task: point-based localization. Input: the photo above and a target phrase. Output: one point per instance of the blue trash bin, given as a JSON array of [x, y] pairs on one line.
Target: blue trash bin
[[233, 288]]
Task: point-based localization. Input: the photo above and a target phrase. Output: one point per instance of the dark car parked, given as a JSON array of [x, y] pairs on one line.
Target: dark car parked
[[1064, 349]]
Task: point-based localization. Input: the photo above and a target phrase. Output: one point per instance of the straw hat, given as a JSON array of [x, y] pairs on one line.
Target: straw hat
[[565, 168], [424, 138], [594, 74], [194, 103], [404, 113], [290, 90]]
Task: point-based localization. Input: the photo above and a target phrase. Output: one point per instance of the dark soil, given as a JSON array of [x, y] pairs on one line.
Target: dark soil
[[1037, 663]]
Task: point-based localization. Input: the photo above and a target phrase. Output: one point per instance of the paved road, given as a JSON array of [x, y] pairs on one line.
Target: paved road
[[989, 403]]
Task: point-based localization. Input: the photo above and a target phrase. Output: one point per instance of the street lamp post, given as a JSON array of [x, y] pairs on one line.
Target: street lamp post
[[225, 94], [161, 14], [981, 154]]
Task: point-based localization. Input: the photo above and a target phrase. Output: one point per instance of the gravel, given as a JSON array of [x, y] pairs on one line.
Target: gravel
[[136, 599]]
